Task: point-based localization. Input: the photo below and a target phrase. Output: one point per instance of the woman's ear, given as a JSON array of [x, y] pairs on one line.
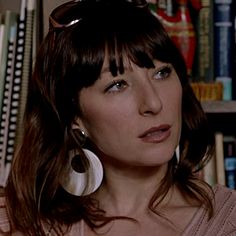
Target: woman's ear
[[78, 124], [79, 131]]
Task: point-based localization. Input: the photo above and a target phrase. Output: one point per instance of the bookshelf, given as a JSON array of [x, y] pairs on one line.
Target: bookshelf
[[221, 114], [219, 107]]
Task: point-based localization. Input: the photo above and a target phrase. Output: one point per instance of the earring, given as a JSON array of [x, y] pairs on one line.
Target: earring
[[177, 153], [85, 176]]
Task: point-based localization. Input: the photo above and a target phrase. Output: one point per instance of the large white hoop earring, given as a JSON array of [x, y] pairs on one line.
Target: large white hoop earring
[[82, 181]]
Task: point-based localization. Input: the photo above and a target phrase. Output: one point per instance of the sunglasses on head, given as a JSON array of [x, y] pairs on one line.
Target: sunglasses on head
[[71, 12]]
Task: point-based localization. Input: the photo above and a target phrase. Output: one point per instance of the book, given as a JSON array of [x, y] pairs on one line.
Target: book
[[219, 153], [11, 97], [234, 65], [1, 35], [6, 99], [230, 161], [204, 53], [9, 20], [209, 171], [38, 27], [178, 23], [223, 44], [17, 77], [27, 65]]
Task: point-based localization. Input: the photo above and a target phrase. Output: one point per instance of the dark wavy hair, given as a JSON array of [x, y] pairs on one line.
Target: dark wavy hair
[[68, 60]]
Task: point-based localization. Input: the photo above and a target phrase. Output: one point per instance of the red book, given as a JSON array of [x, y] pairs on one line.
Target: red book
[[181, 30]]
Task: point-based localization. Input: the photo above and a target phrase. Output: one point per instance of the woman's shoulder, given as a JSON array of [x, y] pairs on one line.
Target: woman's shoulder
[[224, 218], [225, 203], [223, 221], [224, 195]]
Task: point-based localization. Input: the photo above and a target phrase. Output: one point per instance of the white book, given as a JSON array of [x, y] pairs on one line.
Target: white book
[[220, 166], [10, 19], [209, 171], [27, 65], [6, 104], [1, 38]]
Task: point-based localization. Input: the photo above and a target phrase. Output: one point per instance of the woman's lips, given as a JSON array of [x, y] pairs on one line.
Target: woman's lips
[[156, 134]]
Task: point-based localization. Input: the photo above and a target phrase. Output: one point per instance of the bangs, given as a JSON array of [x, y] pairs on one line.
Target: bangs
[[140, 48], [137, 36]]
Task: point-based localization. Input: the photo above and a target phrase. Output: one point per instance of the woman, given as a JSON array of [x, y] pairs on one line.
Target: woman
[[109, 107]]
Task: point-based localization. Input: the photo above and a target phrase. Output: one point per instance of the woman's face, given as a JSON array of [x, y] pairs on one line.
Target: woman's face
[[134, 118]]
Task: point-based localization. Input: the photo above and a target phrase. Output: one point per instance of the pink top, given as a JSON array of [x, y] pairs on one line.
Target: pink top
[[223, 223]]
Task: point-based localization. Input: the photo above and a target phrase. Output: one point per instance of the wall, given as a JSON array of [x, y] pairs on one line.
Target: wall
[[48, 6], [9, 4]]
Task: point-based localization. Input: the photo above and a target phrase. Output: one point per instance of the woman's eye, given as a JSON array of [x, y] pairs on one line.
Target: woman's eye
[[163, 73], [116, 86]]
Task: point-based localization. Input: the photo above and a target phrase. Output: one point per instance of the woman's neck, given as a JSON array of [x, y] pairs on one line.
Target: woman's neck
[[128, 190]]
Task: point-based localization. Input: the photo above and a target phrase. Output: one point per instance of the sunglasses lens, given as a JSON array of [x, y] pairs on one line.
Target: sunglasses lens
[[66, 13], [70, 12]]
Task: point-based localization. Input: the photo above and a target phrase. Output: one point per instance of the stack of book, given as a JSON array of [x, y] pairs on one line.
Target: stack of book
[[207, 35], [221, 169]]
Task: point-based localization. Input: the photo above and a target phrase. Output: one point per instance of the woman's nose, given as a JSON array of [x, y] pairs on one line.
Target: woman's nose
[[149, 97]]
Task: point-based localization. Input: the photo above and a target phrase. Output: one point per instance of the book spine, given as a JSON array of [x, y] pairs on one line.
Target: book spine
[[223, 45], [220, 166], [234, 66], [204, 53], [4, 125], [230, 170], [17, 77], [209, 171], [10, 20], [230, 161], [1, 35], [12, 96], [27, 65]]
